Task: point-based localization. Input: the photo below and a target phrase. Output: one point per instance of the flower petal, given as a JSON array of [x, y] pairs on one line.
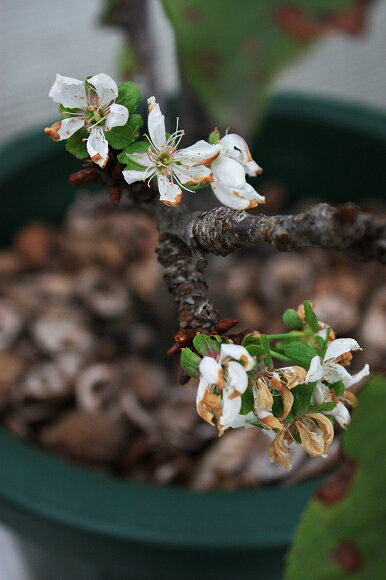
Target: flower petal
[[64, 129], [230, 409], [243, 420], [344, 376], [341, 415], [106, 88], [118, 115], [193, 175], [237, 148], [198, 154], [316, 370], [97, 147], [156, 123], [227, 197], [237, 378], [237, 352], [279, 449], [228, 171], [132, 176], [211, 371], [69, 92], [340, 346], [170, 193], [318, 394]]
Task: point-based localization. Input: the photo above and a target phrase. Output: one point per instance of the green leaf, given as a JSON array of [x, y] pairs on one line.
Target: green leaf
[[265, 344], [302, 401], [214, 137], [251, 338], [339, 388], [76, 146], [320, 342], [323, 407], [190, 362], [310, 316], [247, 402], [301, 353], [291, 319], [206, 345], [120, 137], [135, 121], [129, 95], [255, 349]]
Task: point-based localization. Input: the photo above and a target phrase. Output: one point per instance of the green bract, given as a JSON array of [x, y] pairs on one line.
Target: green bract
[[190, 362], [206, 345]]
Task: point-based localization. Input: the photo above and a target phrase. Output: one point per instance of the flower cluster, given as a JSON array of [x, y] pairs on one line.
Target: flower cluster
[[239, 386], [97, 113]]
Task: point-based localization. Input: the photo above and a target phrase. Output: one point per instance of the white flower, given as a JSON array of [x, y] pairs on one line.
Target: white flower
[[221, 385], [173, 168], [96, 110], [330, 370], [229, 169]]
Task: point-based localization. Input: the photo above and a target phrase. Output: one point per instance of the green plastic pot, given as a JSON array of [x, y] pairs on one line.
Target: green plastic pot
[[75, 524]]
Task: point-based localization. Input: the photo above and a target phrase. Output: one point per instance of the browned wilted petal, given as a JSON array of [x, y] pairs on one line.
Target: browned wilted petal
[[350, 398], [313, 442], [294, 376], [209, 406], [286, 395], [279, 450]]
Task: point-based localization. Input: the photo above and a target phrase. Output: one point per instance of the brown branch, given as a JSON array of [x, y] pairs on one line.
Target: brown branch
[[186, 284], [222, 231]]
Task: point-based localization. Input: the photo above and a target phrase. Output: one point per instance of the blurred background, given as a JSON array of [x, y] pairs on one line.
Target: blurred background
[[43, 37], [305, 56]]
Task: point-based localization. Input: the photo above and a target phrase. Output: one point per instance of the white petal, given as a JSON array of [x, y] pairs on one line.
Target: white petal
[[69, 92], [142, 159], [64, 129], [340, 346], [202, 386], [237, 352], [334, 373], [199, 153], [131, 176], [227, 197], [210, 370], [97, 147], [193, 175], [156, 123], [231, 409], [106, 88], [341, 415], [169, 193], [237, 378], [243, 420], [318, 394], [118, 115], [316, 370], [359, 376], [237, 147], [228, 171]]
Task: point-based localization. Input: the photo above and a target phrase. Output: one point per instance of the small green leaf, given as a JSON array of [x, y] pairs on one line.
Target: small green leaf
[[135, 121], [190, 362], [302, 401], [137, 147], [120, 137], [320, 342], [310, 316], [206, 345], [265, 344], [76, 146], [301, 353], [255, 349], [129, 95], [214, 137], [291, 319], [339, 388], [247, 402], [251, 338], [329, 406]]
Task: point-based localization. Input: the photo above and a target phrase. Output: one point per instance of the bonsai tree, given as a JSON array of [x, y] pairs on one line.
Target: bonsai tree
[[239, 384]]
